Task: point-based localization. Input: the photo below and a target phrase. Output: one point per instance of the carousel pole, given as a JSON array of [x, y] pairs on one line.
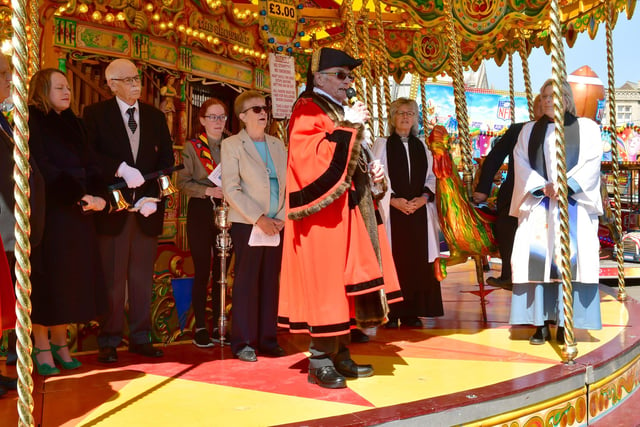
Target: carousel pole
[[512, 91], [615, 161], [379, 92], [352, 39], [22, 212], [423, 100], [384, 73], [455, 68], [522, 50], [368, 75], [559, 75]]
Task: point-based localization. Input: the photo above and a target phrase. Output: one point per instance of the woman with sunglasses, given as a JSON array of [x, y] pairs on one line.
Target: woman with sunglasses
[[201, 157], [253, 180], [410, 215]]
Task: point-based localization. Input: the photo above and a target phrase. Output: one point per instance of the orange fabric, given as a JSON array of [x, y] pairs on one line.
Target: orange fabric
[[325, 252], [7, 297]]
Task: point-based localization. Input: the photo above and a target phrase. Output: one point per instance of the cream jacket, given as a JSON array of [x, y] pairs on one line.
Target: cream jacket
[[245, 180]]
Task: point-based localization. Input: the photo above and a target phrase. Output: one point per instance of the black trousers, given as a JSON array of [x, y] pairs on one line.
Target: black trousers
[[201, 234], [505, 229], [255, 292], [326, 351]]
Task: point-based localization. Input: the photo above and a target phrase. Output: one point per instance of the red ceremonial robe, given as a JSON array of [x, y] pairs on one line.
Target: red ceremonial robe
[[333, 246]]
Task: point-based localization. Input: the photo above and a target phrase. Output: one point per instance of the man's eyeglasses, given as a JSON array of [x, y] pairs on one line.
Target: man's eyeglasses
[[257, 109], [129, 80], [214, 118], [341, 75], [406, 113]]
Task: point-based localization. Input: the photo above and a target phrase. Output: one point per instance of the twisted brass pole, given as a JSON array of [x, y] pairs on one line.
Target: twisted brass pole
[[455, 67], [352, 40], [512, 91], [22, 212], [559, 75], [524, 57], [368, 75], [34, 43], [379, 92], [615, 161], [423, 100], [382, 70], [385, 67]]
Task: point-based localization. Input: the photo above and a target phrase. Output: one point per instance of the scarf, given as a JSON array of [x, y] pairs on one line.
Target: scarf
[[201, 145]]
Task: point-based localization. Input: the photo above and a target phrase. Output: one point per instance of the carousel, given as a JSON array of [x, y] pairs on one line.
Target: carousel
[[469, 367]]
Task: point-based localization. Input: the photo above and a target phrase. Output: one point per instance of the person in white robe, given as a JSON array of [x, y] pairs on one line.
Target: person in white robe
[[537, 287], [410, 215]]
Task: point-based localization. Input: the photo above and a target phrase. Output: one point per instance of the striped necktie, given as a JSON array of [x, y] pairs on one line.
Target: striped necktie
[[132, 122]]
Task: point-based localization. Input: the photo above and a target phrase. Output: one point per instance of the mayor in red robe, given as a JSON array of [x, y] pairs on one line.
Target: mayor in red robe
[[334, 245]]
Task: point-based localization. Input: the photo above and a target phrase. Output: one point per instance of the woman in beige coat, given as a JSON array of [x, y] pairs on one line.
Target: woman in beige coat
[[253, 179]]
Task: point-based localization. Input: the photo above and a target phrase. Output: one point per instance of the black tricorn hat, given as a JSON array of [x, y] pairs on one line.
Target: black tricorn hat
[[327, 57]]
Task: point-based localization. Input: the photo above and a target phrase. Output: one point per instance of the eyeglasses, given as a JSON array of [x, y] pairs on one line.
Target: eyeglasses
[[406, 113], [214, 118], [129, 80], [341, 75], [257, 109]]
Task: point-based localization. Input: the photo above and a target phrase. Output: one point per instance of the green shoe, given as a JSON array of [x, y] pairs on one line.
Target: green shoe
[[74, 364], [44, 369]]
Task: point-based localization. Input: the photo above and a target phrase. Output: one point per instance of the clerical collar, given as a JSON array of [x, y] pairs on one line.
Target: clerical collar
[[325, 94]]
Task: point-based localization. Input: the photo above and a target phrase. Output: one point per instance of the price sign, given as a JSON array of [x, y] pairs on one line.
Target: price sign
[[281, 10], [280, 26]]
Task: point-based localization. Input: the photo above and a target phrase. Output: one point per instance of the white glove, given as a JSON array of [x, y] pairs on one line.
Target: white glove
[[148, 208], [131, 176]]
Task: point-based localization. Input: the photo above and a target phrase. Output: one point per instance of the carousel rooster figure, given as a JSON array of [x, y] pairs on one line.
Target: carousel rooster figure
[[467, 232]]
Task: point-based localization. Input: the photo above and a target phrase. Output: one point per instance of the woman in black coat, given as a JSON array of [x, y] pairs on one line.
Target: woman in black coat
[[68, 284]]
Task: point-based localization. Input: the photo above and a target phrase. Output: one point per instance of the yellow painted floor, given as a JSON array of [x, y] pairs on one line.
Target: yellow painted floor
[[428, 370]]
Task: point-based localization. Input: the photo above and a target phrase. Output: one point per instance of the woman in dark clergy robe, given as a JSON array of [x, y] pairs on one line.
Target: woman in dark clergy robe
[[410, 215], [67, 279]]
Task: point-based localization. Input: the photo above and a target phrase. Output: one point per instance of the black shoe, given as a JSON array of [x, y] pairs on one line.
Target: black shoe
[[541, 335], [3, 390], [357, 336], [247, 354], [326, 377], [8, 383], [146, 349], [215, 336], [391, 324], [560, 335], [277, 351], [201, 339], [107, 355], [498, 282], [350, 369], [411, 322]]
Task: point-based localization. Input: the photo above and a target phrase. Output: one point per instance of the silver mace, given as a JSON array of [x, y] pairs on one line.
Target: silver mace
[[224, 245]]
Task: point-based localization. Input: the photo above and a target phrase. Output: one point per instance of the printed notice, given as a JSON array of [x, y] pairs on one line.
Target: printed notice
[[283, 84]]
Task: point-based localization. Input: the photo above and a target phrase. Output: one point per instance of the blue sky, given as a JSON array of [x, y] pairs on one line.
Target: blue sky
[[626, 36]]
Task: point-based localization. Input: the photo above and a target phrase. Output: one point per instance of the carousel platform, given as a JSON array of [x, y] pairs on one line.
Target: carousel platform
[[456, 370]]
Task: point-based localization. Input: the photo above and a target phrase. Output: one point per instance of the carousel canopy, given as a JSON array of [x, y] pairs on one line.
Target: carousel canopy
[[411, 33]]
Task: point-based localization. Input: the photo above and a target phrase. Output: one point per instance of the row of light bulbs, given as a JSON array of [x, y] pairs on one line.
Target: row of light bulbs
[[249, 52], [109, 17]]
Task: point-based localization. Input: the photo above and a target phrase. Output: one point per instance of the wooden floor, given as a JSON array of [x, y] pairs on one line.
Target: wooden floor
[[456, 370]]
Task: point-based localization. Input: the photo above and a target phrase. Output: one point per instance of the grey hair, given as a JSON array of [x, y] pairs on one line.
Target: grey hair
[[393, 109], [567, 95]]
